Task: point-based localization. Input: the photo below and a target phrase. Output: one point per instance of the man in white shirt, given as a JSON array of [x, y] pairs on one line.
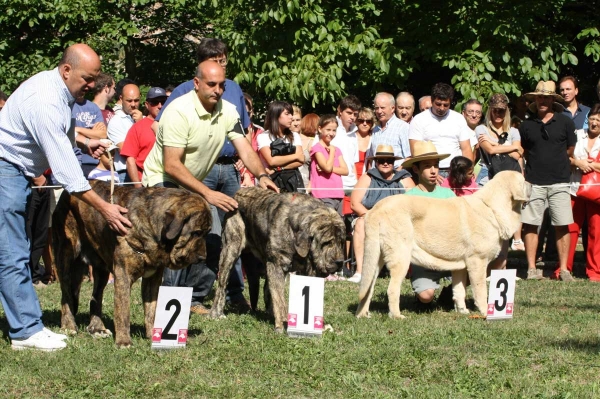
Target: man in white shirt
[[345, 137], [445, 128]]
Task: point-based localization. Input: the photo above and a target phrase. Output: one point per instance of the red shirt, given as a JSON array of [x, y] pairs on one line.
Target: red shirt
[[139, 141]]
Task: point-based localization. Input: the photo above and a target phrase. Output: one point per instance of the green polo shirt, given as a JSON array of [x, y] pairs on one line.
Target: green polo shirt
[[186, 124], [438, 192]]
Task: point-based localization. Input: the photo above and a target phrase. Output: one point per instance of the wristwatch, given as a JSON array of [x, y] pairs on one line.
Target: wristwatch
[[264, 175]]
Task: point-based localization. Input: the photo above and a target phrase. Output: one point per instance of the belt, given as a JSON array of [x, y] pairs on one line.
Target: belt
[[226, 160]]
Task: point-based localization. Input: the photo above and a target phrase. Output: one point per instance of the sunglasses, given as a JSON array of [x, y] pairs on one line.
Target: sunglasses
[[383, 161], [360, 121], [502, 138], [545, 134], [154, 103]]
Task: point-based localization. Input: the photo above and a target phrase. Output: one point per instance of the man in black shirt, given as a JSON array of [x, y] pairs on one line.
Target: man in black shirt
[[548, 139]]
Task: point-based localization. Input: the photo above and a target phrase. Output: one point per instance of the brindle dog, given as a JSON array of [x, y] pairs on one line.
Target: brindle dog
[[288, 232], [169, 227]]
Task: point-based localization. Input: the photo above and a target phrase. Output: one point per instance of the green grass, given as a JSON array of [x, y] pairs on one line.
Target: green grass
[[549, 350]]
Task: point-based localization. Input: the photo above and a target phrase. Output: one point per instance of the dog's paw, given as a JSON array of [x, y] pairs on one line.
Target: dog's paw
[[461, 310], [69, 331], [124, 345], [399, 316], [215, 315], [101, 333], [366, 315], [279, 330]]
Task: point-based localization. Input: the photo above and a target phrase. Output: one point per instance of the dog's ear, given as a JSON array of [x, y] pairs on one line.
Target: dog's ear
[[173, 226], [302, 243]]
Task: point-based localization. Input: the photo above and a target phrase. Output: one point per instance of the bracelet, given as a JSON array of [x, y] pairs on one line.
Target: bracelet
[[264, 175]]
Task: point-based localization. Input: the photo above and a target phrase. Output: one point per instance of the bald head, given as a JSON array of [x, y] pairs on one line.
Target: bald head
[[424, 103], [79, 67], [405, 106], [209, 83], [130, 98]]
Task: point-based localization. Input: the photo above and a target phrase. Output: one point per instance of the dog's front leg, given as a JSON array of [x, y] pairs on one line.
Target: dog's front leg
[[150, 287], [459, 282], [96, 327], [398, 270], [276, 278], [122, 305]]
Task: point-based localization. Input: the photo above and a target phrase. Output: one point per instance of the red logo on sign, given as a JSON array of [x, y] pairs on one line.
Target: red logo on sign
[[182, 336], [318, 322], [156, 334], [292, 319], [490, 311], [509, 308]]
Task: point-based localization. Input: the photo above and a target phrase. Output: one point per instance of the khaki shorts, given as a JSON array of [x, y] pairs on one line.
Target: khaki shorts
[[556, 197]]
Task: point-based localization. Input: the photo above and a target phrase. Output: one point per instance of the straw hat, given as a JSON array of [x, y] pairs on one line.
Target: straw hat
[[424, 150], [544, 88], [384, 151]]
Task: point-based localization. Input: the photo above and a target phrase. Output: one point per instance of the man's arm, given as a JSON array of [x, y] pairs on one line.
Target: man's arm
[[133, 172], [253, 163], [177, 170], [465, 147], [98, 131]]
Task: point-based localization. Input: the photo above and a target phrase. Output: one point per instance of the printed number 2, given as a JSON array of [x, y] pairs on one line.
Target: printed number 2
[[306, 295], [503, 282], [167, 333]]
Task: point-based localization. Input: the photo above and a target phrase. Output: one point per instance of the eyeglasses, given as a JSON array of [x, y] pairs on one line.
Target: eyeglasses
[[383, 161], [360, 121], [154, 103], [502, 138], [220, 61], [473, 112], [545, 134]]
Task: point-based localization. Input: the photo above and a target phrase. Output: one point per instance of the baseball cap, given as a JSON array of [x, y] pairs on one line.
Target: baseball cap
[[156, 92]]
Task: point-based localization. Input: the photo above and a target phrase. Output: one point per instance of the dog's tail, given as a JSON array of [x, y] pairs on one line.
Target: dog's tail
[[371, 265]]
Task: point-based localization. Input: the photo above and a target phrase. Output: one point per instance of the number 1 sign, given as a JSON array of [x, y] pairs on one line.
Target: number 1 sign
[[172, 317], [501, 298], [305, 309]]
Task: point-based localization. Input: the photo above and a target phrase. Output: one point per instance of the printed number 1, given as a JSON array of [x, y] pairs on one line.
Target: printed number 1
[[167, 334], [503, 282], [306, 295]]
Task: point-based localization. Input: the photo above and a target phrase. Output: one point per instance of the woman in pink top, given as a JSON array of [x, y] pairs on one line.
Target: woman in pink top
[[461, 178], [327, 166]]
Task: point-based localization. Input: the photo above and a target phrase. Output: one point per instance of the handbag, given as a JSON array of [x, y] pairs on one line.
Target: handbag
[[590, 185], [499, 162]]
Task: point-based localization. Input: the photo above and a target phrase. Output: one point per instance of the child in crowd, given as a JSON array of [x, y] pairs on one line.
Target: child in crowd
[[461, 178], [102, 171], [327, 167]]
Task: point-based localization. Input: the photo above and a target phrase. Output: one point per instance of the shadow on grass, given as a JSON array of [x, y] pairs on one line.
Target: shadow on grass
[[591, 346], [408, 303]]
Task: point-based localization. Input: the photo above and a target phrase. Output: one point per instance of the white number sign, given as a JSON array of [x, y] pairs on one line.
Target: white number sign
[[172, 317], [501, 299], [305, 309]]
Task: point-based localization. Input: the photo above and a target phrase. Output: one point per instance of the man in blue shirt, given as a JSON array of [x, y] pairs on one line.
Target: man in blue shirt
[[569, 88], [224, 177]]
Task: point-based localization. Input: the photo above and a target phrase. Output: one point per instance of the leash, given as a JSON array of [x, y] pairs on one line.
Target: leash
[[112, 177]]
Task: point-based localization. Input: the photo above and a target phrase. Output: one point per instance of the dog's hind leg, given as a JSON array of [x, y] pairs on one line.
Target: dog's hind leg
[[70, 272], [96, 327], [150, 287], [459, 283], [372, 265], [252, 278], [398, 262], [477, 272], [233, 239]]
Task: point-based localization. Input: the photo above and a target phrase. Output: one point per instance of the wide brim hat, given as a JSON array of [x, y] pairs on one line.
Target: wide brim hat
[[544, 88], [423, 151], [384, 151]]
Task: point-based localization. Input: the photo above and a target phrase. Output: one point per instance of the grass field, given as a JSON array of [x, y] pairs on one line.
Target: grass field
[[549, 350]]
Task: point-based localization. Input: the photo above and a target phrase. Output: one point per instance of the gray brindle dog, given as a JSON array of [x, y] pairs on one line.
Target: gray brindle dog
[[288, 232]]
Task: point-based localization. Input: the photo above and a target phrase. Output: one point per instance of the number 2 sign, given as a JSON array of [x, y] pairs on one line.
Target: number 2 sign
[[501, 297], [305, 308], [172, 317]]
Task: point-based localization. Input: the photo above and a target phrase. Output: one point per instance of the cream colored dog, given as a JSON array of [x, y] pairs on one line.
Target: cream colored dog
[[460, 234]]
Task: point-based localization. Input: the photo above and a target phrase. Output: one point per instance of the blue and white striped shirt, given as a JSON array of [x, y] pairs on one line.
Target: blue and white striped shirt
[[37, 132], [395, 133]]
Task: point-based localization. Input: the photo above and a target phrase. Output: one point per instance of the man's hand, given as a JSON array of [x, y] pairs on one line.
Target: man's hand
[[267, 184], [39, 181], [239, 165], [97, 147], [221, 201], [137, 115], [113, 214]]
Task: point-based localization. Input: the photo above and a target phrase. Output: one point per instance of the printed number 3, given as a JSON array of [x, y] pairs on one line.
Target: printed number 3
[[306, 295], [167, 334], [504, 283]]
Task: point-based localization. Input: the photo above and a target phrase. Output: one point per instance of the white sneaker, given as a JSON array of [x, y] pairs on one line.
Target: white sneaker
[[356, 278], [40, 341], [52, 334]]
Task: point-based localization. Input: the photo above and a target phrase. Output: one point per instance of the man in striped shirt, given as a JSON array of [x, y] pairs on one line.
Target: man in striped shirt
[[36, 133]]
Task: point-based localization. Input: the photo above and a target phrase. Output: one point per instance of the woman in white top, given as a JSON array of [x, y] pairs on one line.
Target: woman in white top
[[279, 149], [585, 161]]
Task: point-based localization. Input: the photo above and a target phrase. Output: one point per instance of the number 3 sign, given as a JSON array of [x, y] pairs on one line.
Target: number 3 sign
[[305, 309], [172, 317], [501, 298]]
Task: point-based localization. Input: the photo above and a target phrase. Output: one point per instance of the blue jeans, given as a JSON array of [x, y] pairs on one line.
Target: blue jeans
[[17, 294]]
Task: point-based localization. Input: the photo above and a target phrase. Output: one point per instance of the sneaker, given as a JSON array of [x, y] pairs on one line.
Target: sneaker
[[518, 245], [199, 310], [535, 274], [52, 334], [356, 278], [565, 275], [40, 341]]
